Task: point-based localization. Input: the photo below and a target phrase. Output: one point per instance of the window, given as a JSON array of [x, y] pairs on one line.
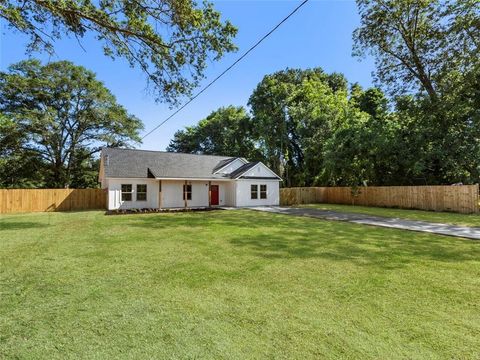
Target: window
[[126, 192], [188, 191], [263, 191], [253, 191], [141, 192]]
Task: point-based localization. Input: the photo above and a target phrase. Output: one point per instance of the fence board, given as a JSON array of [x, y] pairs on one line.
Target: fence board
[[461, 199], [34, 200]]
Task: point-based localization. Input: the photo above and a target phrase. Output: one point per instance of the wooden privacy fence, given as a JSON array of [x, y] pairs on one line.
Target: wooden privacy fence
[[28, 200], [461, 199]]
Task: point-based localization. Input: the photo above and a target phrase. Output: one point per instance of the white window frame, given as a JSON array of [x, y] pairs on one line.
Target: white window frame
[[141, 192], [263, 191], [122, 193], [253, 191]]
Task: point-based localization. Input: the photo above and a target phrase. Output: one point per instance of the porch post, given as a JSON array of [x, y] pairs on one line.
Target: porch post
[[185, 193], [209, 194]]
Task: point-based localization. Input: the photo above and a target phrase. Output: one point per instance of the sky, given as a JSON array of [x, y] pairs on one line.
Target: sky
[[318, 35]]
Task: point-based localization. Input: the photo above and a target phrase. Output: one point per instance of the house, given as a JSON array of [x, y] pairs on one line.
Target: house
[[157, 179]]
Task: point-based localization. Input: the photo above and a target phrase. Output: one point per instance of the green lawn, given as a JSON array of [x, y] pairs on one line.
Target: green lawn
[[232, 285], [442, 217]]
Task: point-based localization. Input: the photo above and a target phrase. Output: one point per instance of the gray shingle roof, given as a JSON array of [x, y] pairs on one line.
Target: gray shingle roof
[[129, 163]]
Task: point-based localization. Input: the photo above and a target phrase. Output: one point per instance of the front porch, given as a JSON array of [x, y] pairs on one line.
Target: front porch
[[194, 193]]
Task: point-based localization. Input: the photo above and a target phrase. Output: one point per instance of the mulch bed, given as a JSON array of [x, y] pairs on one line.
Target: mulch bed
[[150, 211]]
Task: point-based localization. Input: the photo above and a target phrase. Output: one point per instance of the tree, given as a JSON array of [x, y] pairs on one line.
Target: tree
[[226, 131], [60, 115], [169, 40], [428, 52], [18, 168], [282, 104], [373, 151], [416, 43], [372, 101]]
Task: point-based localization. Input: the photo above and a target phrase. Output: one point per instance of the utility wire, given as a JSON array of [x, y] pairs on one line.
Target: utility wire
[[227, 69]]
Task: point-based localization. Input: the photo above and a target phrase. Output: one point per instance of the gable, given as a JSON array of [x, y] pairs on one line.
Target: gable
[[231, 166], [258, 171]]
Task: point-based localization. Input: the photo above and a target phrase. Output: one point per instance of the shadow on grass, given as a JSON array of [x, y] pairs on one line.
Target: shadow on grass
[[274, 236], [20, 225]]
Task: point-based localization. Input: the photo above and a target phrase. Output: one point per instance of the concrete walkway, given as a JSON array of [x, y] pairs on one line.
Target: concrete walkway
[[396, 223]]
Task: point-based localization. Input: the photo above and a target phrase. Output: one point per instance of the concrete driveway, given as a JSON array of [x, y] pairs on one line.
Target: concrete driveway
[[395, 223]]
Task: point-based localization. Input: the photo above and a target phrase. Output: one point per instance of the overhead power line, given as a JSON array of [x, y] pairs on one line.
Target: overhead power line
[[227, 69]]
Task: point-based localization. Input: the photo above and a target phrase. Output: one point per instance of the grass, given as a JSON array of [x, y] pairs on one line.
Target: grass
[[440, 217], [232, 285]]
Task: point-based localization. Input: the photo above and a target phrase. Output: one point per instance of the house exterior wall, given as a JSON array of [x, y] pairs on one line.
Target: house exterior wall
[[231, 193], [223, 188], [172, 193], [115, 193], [242, 193]]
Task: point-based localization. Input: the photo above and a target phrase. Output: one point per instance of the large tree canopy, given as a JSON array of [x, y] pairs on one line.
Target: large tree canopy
[[417, 44], [312, 129], [56, 117], [169, 40], [294, 110], [430, 51]]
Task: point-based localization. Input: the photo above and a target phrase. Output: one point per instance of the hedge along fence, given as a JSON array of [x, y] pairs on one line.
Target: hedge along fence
[[30, 200], [461, 199]]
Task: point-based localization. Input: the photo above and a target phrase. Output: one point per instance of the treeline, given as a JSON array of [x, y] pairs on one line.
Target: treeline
[[420, 125], [314, 128], [54, 118]]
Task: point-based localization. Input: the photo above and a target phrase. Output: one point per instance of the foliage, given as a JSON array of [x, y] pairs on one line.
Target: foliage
[[312, 130], [416, 44], [18, 167], [169, 40], [56, 117], [226, 131], [295, 109], [430, 50]]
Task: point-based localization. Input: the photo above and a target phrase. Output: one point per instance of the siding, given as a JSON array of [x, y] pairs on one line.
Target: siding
[[172, 193], [231, 193], [115, 193], [243, 193]]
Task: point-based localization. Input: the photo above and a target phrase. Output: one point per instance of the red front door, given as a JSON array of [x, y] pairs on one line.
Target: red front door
[[214, 194]]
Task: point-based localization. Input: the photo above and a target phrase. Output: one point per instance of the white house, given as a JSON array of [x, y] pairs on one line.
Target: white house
[[157, 179]]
